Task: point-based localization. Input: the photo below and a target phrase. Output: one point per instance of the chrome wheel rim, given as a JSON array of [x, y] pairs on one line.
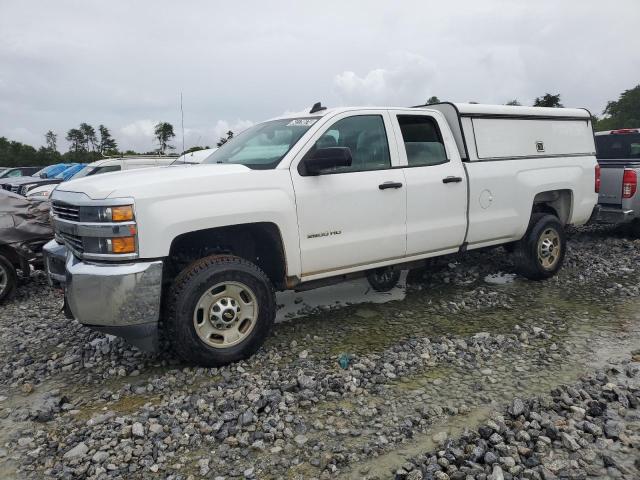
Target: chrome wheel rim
[[549, 248], [225, 314], [4, 279]]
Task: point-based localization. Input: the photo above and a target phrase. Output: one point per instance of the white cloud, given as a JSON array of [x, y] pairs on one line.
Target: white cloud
[[137, 135], [223, 126], [409, 78]]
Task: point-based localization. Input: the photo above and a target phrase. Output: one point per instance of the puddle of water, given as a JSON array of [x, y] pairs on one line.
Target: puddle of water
[[297, 304]]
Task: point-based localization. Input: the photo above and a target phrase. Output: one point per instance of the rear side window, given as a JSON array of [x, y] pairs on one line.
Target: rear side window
[[620, 146], [109, 168], [422, 140]]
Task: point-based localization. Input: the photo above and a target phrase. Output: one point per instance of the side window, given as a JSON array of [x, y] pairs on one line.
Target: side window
[[365, 136], [422, 140], [109, 168]]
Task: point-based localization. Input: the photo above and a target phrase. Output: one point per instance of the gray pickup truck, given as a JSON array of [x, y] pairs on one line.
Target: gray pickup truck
[[618, 154]]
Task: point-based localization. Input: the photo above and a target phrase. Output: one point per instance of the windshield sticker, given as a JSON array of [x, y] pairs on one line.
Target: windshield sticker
[[302, 122]]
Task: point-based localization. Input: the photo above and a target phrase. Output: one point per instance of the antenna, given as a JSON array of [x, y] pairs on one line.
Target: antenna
[[182, 117]]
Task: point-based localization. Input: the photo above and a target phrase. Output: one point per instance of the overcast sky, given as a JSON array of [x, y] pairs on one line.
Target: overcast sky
[[124, 63]]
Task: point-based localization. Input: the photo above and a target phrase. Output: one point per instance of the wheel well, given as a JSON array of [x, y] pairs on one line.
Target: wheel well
[[11, 255], [259, 243], [555, 202]]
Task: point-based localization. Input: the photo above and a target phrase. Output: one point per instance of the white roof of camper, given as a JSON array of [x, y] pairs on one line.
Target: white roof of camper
[[480, 109]]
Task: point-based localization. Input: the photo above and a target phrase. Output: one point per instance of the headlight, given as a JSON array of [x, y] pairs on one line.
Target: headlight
[[98, 232], [42, 193], [123, 213]]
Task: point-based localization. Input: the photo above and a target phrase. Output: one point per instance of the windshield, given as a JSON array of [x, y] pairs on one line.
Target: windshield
[[67, 173], [264, 145], [624, 145]]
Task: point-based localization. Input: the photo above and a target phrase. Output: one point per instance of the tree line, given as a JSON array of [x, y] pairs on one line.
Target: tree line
[[86, 144]]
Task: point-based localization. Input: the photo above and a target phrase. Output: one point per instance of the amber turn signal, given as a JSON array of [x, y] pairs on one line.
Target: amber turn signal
[[122, 214], [123, 245]]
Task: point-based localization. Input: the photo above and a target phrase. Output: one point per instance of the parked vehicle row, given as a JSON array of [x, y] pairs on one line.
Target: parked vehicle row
[[304, 200], [13, 184], [105, 166]]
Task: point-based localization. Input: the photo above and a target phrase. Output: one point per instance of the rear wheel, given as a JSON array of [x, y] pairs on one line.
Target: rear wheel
[[221, 309], [8, 279], [541, 251], [634, 228], [383, 279]]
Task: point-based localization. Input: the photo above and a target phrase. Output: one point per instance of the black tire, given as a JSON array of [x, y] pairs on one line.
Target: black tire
[[187, 290], [529, 256], [634, 228], [8, 278], [383, 279]]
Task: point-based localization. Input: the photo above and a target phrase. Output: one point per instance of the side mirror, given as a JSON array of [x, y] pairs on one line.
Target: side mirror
[[325, 159]]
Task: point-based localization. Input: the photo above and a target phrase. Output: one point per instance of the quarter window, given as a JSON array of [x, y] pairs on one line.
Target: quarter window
[[422, 140], [366, 138]]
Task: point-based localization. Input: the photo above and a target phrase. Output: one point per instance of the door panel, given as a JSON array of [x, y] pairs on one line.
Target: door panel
[[345, 219], [436, 184]]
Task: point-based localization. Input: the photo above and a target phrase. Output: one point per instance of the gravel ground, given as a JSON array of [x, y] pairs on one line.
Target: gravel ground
[[473, 373]]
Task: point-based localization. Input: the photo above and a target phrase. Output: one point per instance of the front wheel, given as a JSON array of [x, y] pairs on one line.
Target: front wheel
[[221, 309], [8, 279], [541, 251]]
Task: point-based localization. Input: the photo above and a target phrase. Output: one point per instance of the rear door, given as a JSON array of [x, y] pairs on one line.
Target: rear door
[[352, 216], [436, 183]]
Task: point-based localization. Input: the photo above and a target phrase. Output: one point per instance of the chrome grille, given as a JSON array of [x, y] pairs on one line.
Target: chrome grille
[[73, 241], [15, 188], [65, 211]]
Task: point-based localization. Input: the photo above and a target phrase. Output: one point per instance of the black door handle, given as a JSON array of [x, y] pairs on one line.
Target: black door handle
[[452, 180], [385, 185]]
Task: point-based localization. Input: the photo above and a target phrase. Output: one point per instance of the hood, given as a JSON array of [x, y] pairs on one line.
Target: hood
[[23, 219], [19, 180], [146, 181]]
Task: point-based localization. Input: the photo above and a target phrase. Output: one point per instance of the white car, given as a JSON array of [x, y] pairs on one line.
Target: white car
[[301, 201], [195, 157], [105, 166]]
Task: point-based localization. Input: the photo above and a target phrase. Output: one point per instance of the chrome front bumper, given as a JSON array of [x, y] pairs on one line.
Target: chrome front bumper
[[120, 299]]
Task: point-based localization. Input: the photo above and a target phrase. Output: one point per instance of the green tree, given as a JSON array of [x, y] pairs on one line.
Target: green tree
[[548, 100], [622, 113], [89, 134], [224, 140], [51, 140], [513, 103], [433, 100], [76, 139], [164, 133], [106, 144]]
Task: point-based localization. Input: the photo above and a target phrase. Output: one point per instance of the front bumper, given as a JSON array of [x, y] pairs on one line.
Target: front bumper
[[121, 299], [613, 215]]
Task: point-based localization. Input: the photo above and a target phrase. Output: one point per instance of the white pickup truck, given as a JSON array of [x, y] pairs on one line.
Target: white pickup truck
[[297, 202]]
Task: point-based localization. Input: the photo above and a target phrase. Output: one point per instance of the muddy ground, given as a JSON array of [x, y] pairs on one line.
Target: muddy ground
[[351, 384]]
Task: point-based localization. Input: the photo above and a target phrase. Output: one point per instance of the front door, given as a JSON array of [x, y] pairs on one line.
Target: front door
[[352, 216]]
